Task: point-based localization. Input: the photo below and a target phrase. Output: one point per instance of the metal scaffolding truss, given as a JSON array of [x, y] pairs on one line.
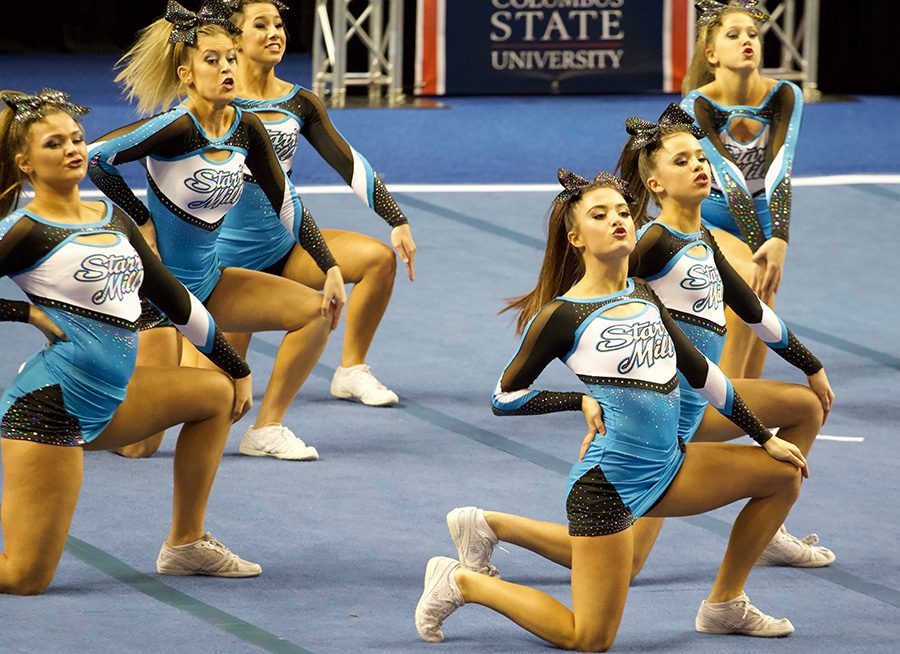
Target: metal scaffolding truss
[[798, 38], [380, 34]]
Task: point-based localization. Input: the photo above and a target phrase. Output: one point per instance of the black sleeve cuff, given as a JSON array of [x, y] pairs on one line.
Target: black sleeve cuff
[[14, 311]]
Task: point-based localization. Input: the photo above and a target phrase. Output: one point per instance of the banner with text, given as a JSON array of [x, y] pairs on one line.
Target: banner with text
[[551, 46]]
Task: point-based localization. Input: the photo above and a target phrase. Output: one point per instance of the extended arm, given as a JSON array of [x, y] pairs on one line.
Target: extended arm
[[545, 339], [349, 164], [760, 318], [707, 379], [780, 156], [186, 311], [147, 137], [12, 232], [263, 163]]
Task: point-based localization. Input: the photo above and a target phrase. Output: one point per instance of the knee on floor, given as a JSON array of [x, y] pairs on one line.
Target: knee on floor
[[143, 449], [593, 641], [26, 580]]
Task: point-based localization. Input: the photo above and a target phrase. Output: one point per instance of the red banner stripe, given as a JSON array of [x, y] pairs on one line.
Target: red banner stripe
[[680, 35]]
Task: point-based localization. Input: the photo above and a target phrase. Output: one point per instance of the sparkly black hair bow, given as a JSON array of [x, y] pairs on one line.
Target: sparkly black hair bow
[[574, 185], [710, 10], [235, 5], [186, 22], [645, 132], [31, 107]]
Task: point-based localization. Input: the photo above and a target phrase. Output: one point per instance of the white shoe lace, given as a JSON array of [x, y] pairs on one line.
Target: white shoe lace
[[228, 560], [364, 374], [749, 609], [210, 543], [287, 441], [806, 546]]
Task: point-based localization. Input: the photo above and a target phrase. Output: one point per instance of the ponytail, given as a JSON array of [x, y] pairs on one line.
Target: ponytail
[[636, 167], [13, 138], [629, 168], [149, 70], [563, 263]]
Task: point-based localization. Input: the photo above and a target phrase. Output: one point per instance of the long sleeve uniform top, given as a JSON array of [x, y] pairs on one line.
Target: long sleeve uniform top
[[87, 277], [628, 364], [191, 188], [758, 168], [249, 242]]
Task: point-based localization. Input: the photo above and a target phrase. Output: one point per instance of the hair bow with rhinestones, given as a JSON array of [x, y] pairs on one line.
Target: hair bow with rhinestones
[[574, 185], [185, 22], [646, 132], [235, 5], [31, 107], [709, 11]]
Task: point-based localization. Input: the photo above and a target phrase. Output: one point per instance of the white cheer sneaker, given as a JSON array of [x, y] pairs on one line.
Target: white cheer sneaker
[[440, 598], [358, 383], [785, 549], [205, 556], [277, 441], [474, 539], [739, 616]]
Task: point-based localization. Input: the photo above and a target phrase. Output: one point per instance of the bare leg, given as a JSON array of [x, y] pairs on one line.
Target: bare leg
[[370, 266], [240, 341], [162, 397], [599, 588], [251, 301], [646, 531], [190, 356], [156, 347], [744, 355], [548, 539], [40, 489], [711, 476], [794, 409], [716, 474], [551, 540]]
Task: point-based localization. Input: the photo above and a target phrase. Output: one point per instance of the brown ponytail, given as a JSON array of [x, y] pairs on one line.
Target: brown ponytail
[[563, 264], [13, 139], [636, 167]]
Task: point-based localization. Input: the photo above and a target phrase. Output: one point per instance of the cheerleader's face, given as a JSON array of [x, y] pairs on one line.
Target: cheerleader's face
[[263, 39], [55, 152], [681, 172], [603, 225], [737, 45], [212, 69]]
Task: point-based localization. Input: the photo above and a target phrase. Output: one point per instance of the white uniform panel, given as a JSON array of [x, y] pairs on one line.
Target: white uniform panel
[[692, 286], [203, 188], [106, 278], [750, 157], [636, 348]]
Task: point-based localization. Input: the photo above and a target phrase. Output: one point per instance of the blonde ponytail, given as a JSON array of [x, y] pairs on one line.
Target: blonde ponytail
[[149, 70]]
